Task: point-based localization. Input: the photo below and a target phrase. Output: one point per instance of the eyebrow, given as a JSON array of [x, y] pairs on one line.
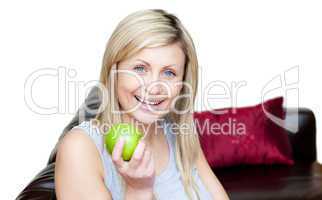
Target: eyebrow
[[174, 65]]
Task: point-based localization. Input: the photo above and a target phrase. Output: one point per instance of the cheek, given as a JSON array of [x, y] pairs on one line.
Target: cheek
[[126, 87], [174, 92], [129, 82]]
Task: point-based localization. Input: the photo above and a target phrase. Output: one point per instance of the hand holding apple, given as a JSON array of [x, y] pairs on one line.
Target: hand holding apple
[[139, 172], [129, 133]]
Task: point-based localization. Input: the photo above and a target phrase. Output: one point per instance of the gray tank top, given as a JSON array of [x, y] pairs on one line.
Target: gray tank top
[[168, 184]]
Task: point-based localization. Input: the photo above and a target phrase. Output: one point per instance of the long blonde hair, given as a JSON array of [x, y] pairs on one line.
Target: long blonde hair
[[147, 29]]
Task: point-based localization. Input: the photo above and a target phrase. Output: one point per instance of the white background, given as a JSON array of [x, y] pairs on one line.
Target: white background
[[251, 41]]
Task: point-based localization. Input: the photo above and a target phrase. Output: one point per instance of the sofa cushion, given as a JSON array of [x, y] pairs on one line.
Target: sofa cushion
[[301, 181], [244, 135]]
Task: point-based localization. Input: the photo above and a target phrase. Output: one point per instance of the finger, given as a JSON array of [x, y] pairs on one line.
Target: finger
[[146, 159], [137, 155], [150, 170], [117, 153]]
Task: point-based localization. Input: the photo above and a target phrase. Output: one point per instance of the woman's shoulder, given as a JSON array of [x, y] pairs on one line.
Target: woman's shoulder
[[90, 129], [90, 132], [77, 160], [78, 146]]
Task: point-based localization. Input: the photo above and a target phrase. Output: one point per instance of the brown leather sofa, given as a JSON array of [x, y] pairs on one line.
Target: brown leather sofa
[[303, 180]]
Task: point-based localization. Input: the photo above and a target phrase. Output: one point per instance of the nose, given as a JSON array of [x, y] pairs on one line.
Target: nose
[[153, 85], [154, 88]]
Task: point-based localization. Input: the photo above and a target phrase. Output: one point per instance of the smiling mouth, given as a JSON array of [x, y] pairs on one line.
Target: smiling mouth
[[148, 102]]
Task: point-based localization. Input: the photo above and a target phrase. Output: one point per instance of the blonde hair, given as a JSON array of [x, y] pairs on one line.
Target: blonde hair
[[147, 29]]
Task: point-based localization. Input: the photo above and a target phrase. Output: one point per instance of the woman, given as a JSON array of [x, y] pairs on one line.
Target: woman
[[149, 74]]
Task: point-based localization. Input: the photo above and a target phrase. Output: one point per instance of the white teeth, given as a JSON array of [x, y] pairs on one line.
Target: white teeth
[[147, 102]]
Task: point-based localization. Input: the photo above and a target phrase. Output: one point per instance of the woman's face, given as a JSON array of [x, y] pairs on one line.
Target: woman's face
[[149, 81]]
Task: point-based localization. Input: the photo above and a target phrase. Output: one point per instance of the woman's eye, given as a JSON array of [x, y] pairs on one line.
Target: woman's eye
[[169, 73], [139, 68]]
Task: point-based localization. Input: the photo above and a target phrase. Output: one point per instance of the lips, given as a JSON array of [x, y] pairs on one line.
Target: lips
[[151, 102]]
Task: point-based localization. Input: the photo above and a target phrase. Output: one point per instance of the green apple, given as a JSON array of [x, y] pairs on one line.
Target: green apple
[[131, 137]]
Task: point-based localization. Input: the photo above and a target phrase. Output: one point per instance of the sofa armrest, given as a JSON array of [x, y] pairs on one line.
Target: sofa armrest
[[41, 187], [303, 141]]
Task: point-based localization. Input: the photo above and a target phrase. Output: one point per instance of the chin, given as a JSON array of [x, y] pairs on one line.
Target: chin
[[145, 118]]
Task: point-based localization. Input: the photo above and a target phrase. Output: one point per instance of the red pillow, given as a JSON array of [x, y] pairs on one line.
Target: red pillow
[[246, 136]]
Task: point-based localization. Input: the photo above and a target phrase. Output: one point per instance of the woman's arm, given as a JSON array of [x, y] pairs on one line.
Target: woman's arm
[[79, 172], [209, 179], [79, 169]]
